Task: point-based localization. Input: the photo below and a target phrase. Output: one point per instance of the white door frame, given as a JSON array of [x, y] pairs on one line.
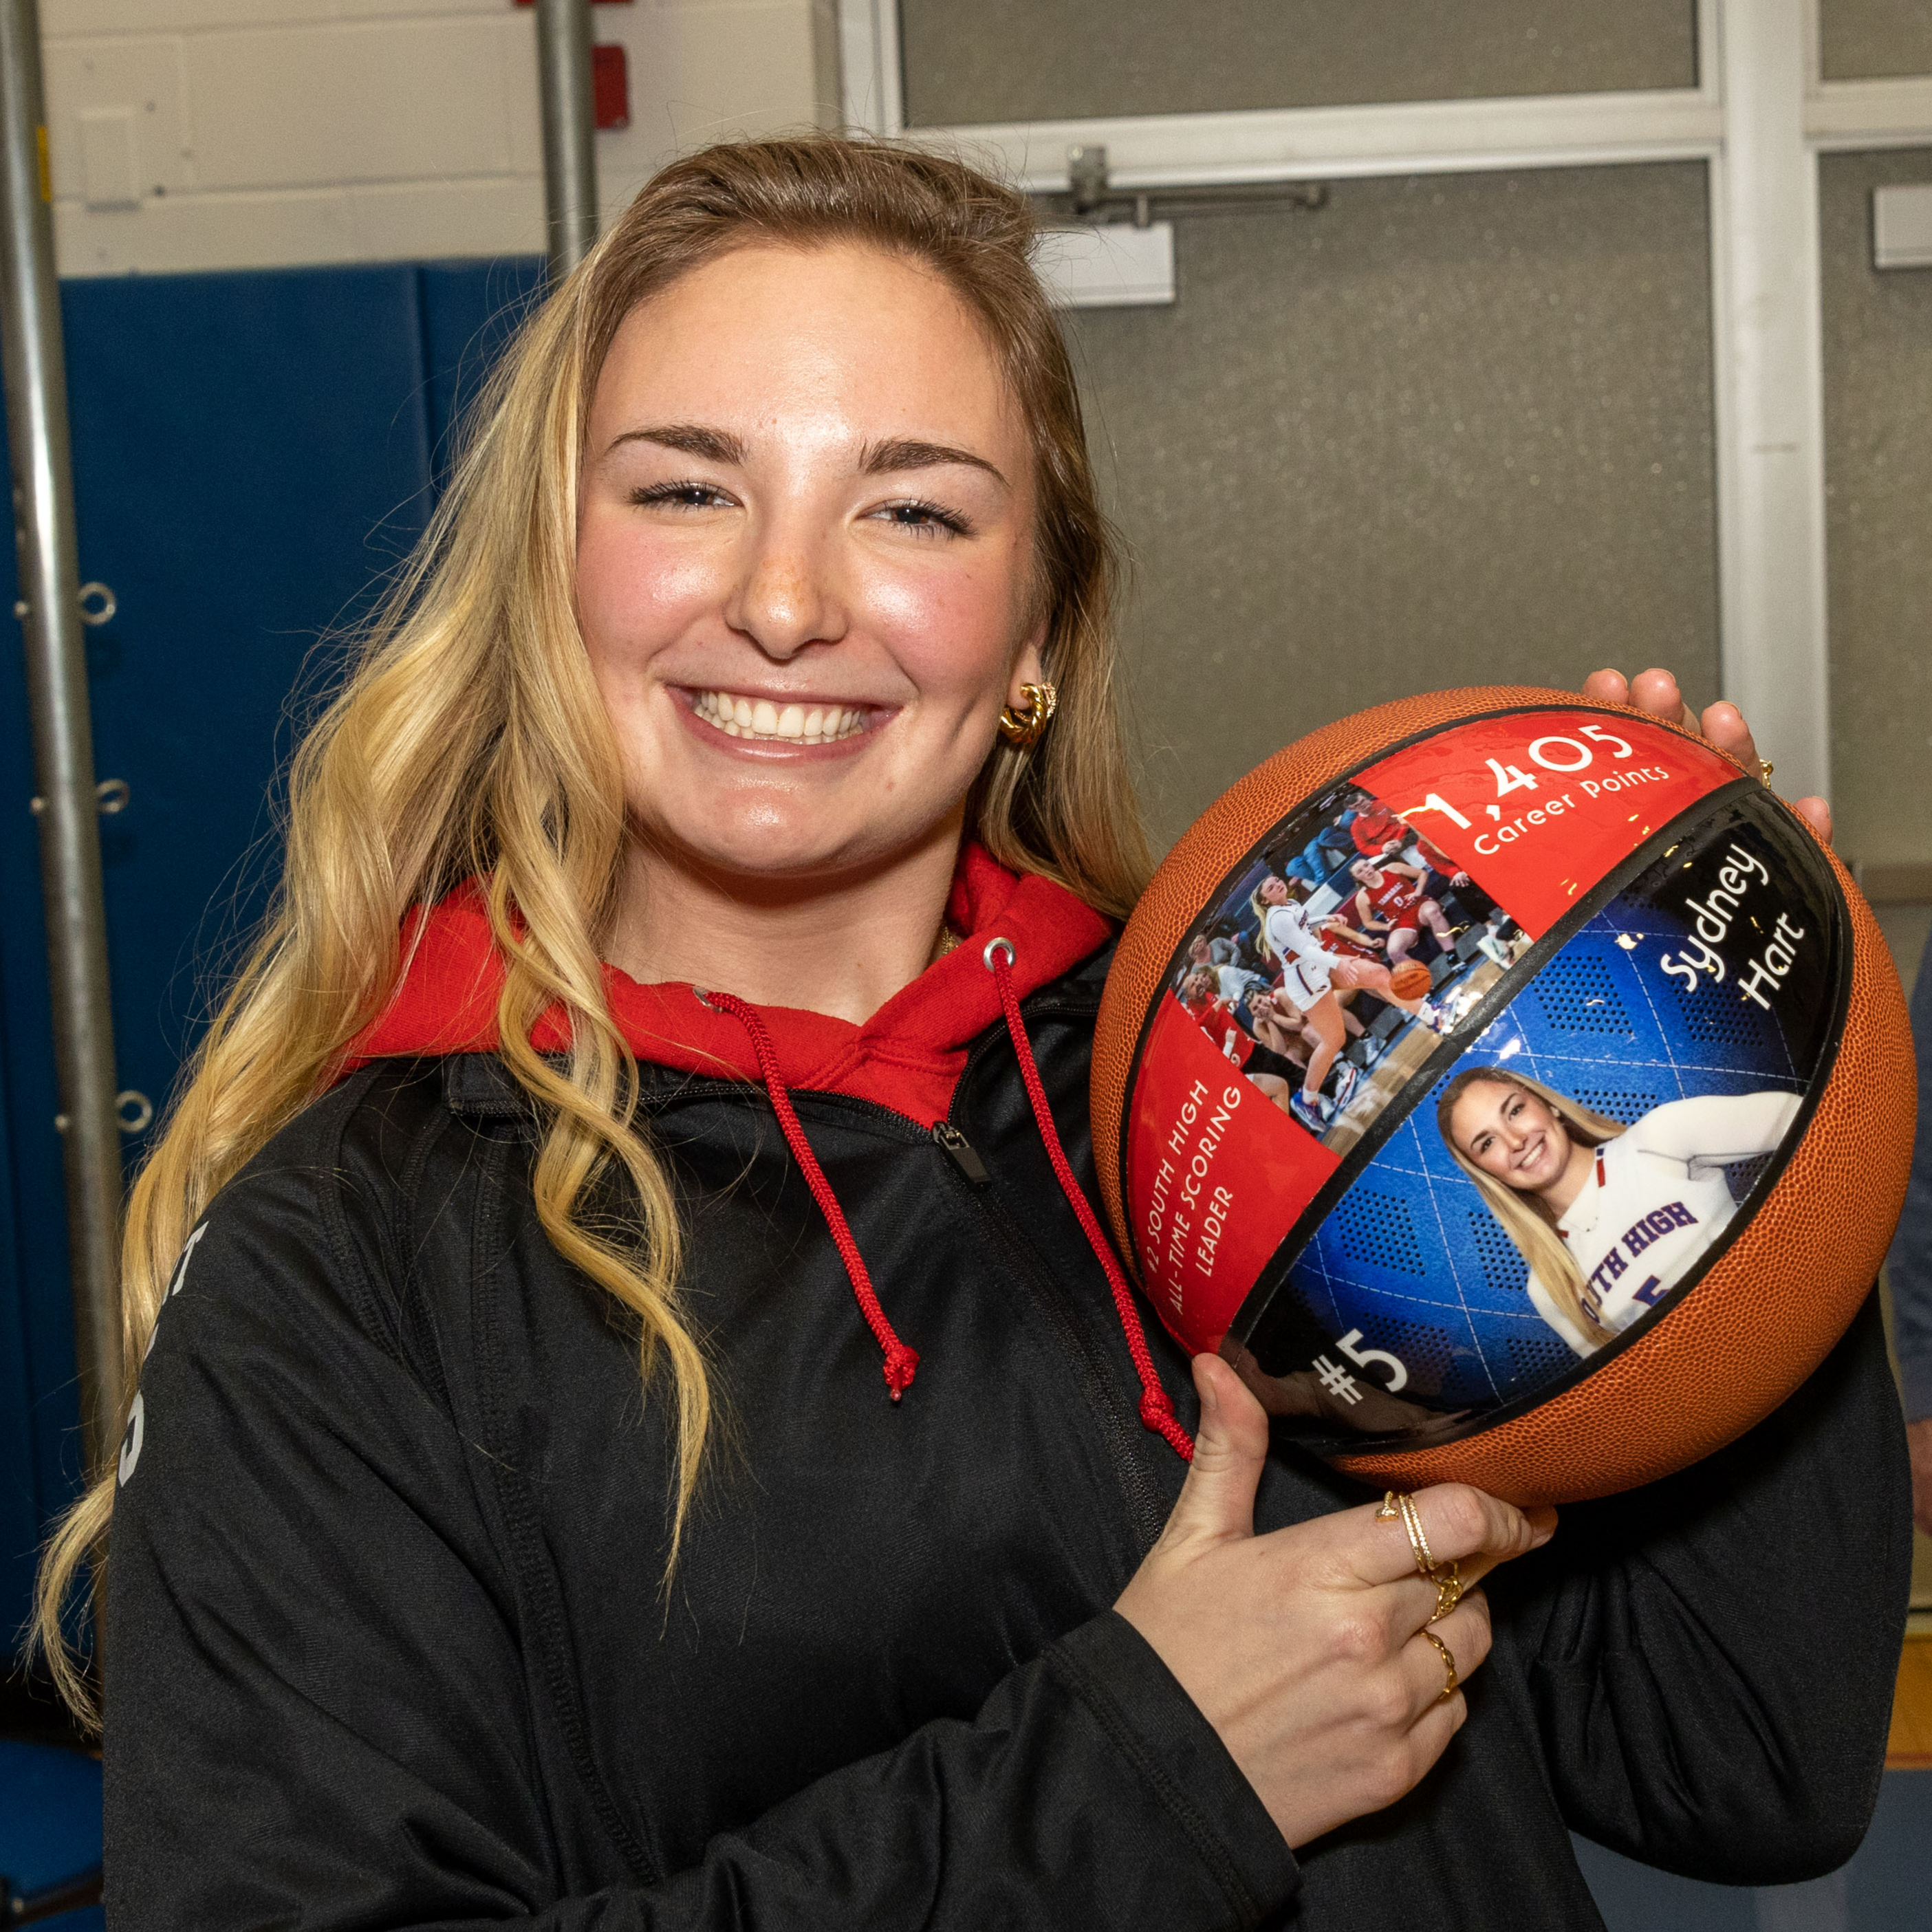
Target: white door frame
[[1759, 117]]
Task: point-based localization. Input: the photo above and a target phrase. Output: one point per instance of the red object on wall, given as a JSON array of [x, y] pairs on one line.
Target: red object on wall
[[610, 85], [609, 76]]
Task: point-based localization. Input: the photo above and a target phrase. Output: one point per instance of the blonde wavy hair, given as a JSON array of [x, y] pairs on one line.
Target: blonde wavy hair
[[1260, 908], [469, 740], [1525, 1219]]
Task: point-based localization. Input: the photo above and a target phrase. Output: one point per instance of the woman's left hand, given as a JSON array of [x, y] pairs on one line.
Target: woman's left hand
[[1722, 723]]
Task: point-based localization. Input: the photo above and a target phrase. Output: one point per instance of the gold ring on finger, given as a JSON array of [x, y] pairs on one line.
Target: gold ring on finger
[[1391, 1507], [1448, 1664], [1448, 1589], [1412, 1519]]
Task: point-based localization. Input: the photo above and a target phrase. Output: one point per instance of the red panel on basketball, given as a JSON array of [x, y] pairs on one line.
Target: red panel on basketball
[[1513, 1090]]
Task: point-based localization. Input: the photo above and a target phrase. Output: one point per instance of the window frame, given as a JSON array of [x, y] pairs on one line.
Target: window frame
[[1759, 117]]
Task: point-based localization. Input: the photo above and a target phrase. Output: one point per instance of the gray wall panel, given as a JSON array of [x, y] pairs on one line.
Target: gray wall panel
[[968, 61], [1878, 459], [1446, 431], [1862, 40]]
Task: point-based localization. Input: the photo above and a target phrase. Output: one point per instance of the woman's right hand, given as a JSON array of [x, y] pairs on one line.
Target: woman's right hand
[[1301, 1648]]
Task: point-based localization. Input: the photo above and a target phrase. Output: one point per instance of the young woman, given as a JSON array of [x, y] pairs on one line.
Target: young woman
[[1312, 970], [634, 1432], [1308, 970], [1608, 1217], [1390, 902]]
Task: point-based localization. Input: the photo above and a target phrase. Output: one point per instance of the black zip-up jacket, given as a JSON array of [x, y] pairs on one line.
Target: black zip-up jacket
[[389, 1645]]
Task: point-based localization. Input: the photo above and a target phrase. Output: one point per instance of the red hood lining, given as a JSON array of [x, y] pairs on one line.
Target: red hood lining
[[908, 1056]]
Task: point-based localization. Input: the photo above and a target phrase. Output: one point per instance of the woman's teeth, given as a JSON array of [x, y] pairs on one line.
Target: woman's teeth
[[790, 724]]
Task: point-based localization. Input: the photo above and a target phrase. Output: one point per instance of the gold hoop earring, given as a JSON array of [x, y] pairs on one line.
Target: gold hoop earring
[[1027, 727]]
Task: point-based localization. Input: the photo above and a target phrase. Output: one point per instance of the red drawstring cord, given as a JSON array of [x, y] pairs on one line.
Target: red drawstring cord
[[1157, 1408], [901, 1361]]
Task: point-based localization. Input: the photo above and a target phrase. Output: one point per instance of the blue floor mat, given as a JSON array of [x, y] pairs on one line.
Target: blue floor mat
[[50, 1823]]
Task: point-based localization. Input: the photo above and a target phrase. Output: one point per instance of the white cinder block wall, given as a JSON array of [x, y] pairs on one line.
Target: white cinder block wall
[[259, 134]]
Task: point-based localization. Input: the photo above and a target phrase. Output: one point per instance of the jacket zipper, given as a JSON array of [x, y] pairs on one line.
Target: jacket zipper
[[960, 1150], [1118, 1432]]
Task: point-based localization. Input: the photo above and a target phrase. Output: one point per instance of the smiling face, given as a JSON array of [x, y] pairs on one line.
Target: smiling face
[[1511, 1134], [1274, 890], [805, 561]]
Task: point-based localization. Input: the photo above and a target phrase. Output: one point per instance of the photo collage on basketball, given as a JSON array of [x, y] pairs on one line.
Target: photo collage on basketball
[[1334, 965], [1569, 1172], [1434, 1104]]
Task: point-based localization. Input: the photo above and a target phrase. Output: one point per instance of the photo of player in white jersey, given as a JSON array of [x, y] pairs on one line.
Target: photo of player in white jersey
[[1608, 1217], [1310, 974]]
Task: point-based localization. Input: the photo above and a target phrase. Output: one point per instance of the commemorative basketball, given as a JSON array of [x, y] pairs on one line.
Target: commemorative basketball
[[1511, 1088]]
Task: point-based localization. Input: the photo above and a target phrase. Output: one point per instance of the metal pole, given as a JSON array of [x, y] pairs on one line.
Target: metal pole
[[1774, 648], [569, 126], [35, 374]]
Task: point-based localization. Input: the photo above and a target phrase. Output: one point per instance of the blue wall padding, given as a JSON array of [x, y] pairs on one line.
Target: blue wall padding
[[49, 1817], [20, 1510], [253, 454], [470, 311]]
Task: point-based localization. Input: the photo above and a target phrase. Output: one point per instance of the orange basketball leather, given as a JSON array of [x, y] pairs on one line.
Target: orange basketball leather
[[1767, 1312]]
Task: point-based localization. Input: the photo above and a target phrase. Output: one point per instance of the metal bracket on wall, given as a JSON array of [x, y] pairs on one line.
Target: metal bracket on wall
[[97, 604], [1902, 226], [110, 795], [134, 1113], [1090, 196]]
